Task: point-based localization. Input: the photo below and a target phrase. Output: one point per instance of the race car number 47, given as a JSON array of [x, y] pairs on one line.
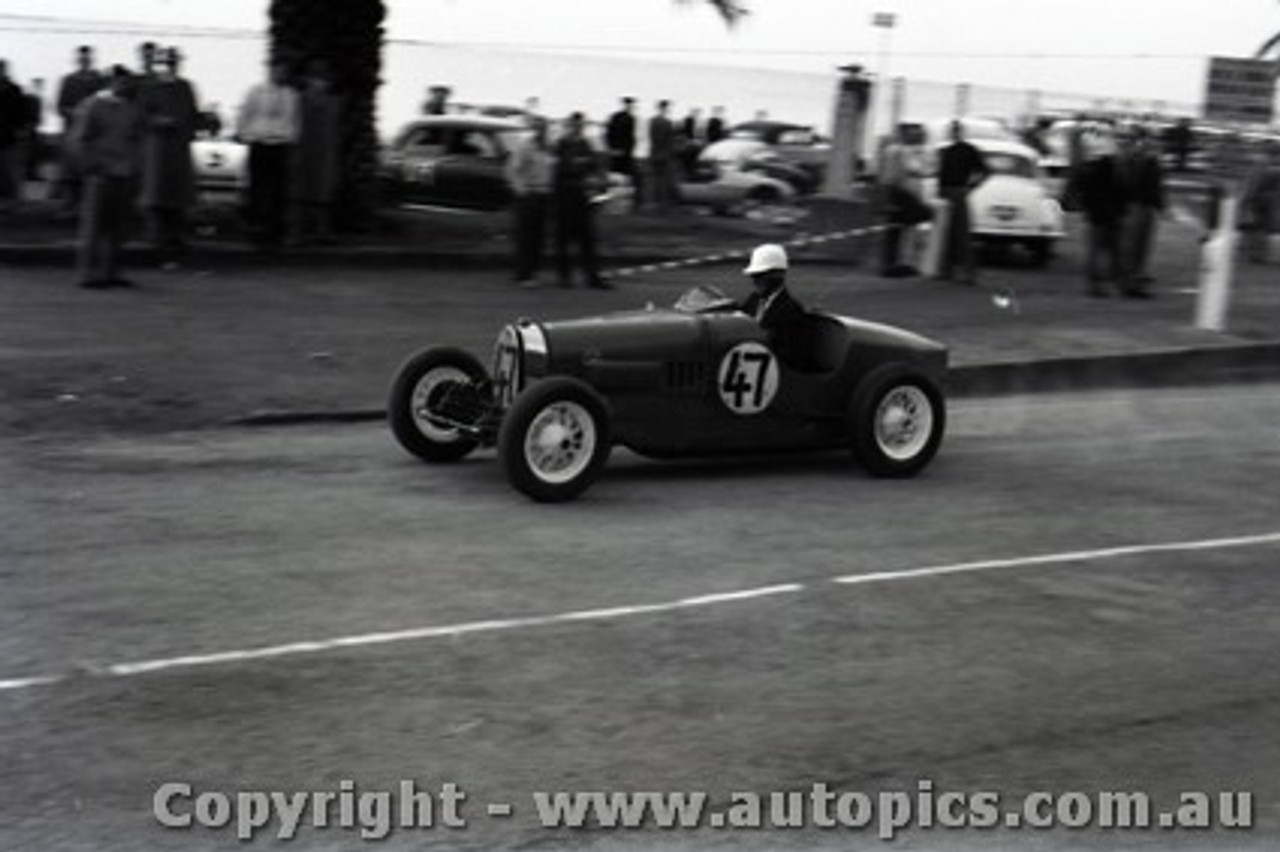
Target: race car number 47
[[748, 378]]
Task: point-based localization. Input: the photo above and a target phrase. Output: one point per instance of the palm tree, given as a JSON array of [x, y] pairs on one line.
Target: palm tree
[[348, 34], [1270, 45]]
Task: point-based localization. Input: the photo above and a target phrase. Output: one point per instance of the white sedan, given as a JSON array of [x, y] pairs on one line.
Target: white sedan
[[1013, 206], [221, 165]]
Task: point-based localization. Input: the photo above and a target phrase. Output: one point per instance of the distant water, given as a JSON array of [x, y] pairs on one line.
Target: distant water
[[223, 69]]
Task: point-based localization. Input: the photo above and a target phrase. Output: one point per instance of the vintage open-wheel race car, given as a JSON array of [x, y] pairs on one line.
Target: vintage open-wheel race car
[[698, 379]]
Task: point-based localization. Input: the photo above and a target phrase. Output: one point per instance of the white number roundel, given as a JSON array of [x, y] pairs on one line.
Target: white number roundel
[[748, 378]]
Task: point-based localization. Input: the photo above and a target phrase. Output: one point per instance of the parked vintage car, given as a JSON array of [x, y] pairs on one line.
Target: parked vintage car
[[1014, 206], [221, 165], [697, 379], [752, 155], [459, 161], [727, 189], [797, 144], [451, 161]]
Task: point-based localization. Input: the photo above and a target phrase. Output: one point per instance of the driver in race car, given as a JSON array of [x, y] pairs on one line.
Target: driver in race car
[[771, 304]]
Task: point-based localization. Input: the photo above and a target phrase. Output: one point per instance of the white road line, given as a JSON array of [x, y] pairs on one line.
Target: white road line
[[131, 669], [1056, 558], [444, 631], [28, 682]]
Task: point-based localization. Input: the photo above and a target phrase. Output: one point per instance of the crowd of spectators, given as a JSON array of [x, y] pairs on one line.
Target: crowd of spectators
[[124, 154]]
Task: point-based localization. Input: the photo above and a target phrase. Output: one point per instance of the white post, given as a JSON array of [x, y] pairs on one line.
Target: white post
[[848, 127], [1217, 265], [931, 262], [897, 102]]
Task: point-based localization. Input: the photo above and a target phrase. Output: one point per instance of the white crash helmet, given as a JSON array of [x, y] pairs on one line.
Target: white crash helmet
[[766, 258]]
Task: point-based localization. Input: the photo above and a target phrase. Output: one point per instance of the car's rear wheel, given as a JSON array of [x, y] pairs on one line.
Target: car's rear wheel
[[555, 440], [898, 417], [418, 397]]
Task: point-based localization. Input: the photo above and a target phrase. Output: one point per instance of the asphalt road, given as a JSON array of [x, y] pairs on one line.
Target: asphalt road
[[285, 609]]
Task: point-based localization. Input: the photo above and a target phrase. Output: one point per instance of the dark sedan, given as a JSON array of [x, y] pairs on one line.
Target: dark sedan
[[797, 144], [451, 161]]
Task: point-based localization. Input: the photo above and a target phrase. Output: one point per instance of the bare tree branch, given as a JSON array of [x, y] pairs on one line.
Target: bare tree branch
[[731, 10]]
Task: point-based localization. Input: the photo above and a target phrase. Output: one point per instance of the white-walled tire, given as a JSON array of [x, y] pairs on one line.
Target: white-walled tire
[[416, 387], [897, 420], [555, 440]]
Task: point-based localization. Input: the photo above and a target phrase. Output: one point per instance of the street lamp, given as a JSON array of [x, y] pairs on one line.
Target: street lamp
[[885, 22]]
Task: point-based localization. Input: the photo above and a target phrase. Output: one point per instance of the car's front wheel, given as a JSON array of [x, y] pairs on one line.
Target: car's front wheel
[[555, 440], [898, 416], [423, 401]]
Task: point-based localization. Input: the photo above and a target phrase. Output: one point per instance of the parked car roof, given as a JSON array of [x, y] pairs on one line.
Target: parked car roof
[[771, 131], [470, 122]]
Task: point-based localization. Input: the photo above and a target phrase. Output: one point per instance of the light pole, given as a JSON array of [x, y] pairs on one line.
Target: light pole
[[885, 22]]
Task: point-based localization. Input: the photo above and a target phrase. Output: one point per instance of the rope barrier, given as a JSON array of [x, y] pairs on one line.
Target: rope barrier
[[721, 257]]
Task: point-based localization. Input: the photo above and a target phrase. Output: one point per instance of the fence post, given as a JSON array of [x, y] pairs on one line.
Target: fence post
[[1217, 265], [931, 262]]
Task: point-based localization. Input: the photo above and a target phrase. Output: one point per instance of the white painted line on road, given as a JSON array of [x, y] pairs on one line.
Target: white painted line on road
[[28, 682], [728, 597], [443, 631], [1056, 558], [613, 613]]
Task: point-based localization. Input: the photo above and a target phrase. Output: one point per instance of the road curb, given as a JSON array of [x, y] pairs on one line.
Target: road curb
[[1167, 368], [1191, 366], [304, 418]]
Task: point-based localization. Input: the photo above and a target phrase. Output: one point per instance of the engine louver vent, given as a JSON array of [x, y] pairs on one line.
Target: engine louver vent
[[685, 376]]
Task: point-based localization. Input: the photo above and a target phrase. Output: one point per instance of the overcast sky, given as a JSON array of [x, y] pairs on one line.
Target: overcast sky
[[1142, 48]]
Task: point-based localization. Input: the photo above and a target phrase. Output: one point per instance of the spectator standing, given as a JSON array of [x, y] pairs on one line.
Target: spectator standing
[[13, 108], [690, 142], [1076, 157], [33, 153], [107, 137], [960, 170], [529, 172], [1261, 202], [620, 138], [169, 109], [662, 158], [901, 173], [1180, 139], [268, 123], [148, 59], [577, 177], [1102, 200], [437, 102], [209, 124], [83, 82], [1142, 182], [716, 129], [1034, 135], [318, 159]]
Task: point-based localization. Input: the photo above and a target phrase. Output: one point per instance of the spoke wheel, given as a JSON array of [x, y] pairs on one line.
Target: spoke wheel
[[897, 422], [420, 388], [555, 439], [903, 422]]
